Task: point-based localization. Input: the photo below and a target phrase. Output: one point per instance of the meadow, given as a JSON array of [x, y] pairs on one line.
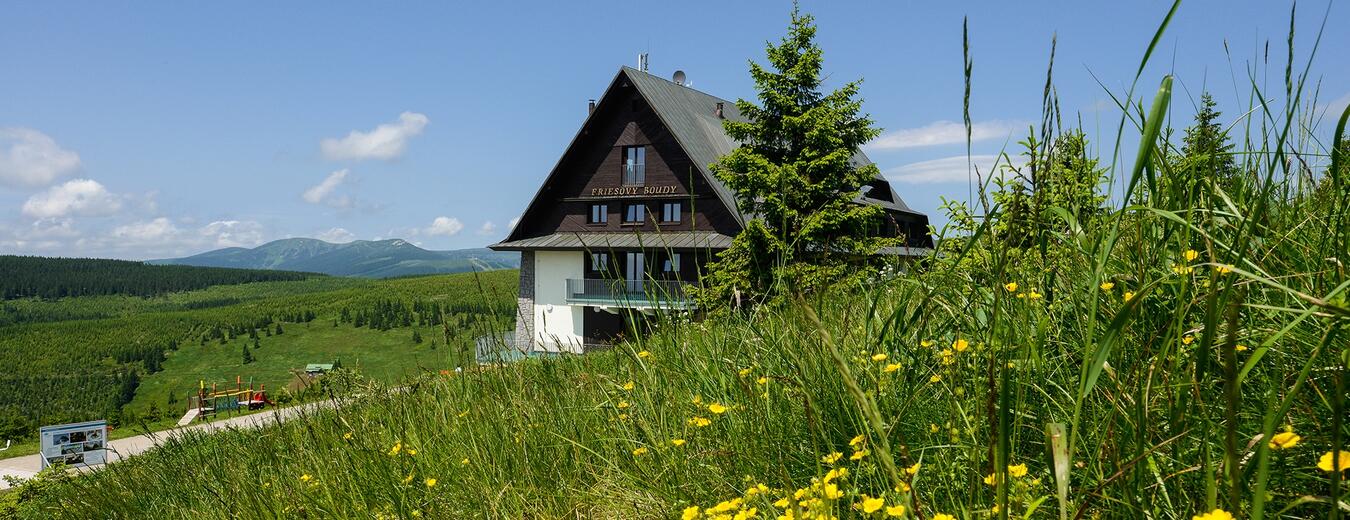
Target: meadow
[[1171, 347]]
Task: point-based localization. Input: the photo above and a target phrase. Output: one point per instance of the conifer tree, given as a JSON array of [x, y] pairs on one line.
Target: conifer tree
[[795, 176]]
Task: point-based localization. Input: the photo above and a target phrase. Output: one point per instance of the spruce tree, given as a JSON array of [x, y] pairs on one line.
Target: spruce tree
[[795, 175], [248, 355]]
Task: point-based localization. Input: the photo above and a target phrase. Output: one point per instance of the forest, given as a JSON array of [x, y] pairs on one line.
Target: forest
[[91, 366], [41, 277]]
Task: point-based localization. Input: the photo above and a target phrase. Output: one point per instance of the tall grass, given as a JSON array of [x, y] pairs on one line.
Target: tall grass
[[1140, 368]]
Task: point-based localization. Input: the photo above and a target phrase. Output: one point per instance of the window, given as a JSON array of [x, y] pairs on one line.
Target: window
[[672, 264], [670, 212], [599, 262], [635, 165], [635, 214], [599, 214]]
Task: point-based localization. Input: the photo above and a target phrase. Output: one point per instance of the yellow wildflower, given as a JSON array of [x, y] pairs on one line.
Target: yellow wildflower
[[1019, 470], [463, 413], [1182, 269], [935, 378], [677, 442], [926, 343], [913, 470], [717, 408], [690, 513], [746, 371], [306, 477], [1223, 269], [857, 440], [640, 451], [832, 458], [398, 446], [879, 357], [1217, 514], [762, 380], [991, 479], [871, 505], [932, 427], [698, 399], [1191, 255], [832, 492], [746, 514], [960, 345], [1107, 286], [895, 511], [623, 404], [347, 436], [431, 482], [891, 367], [411, 452], [464, 462], [943, 516], [1187, 339], [833, 474], [1033, 295], [1240, 348], [858, 455], [629, 385], [1342, 463], [1129, 295], [408, 478], [1285, 440], [644, 354], [1010, 286], [699, 421]]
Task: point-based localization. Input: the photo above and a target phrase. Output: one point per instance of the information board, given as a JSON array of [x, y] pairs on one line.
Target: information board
[[75, 444]]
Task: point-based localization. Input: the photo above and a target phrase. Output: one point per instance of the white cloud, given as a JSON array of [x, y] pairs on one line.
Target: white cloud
[[79, 197], [322, 193], [147, 232], [30, 158], [387, 141], [1336, 106], [946, 170], [336, 235], [447, 226], [232, 233], [487, 228], [945, 132]]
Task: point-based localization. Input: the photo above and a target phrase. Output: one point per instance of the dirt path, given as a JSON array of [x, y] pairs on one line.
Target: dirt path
[[28, 465]]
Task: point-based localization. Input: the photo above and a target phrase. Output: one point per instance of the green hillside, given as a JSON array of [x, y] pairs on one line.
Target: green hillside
[[40, 277], [361, 258], [94, 362]]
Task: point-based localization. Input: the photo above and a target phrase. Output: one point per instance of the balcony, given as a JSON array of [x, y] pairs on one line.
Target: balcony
[[670, 294]]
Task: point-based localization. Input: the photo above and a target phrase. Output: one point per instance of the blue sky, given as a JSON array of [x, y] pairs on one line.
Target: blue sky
[[144, 130]]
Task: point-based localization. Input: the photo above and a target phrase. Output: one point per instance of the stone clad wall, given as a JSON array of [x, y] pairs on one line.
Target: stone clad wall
[[525, 303]]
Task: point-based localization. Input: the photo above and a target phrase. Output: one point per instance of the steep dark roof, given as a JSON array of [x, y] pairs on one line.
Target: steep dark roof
[[690, 116]]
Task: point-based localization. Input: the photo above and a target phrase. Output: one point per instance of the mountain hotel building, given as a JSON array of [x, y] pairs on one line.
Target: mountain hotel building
[[631, 213]]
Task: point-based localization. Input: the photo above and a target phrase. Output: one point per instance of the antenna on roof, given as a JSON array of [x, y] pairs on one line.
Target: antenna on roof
[[678, 78], [642, 62]]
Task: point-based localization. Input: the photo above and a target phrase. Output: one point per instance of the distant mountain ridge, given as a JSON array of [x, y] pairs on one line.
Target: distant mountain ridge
[[360, 258]]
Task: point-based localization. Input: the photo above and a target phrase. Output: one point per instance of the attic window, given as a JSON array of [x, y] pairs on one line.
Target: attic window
[[878, 189]]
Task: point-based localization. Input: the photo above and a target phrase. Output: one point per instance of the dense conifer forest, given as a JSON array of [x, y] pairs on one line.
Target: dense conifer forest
[[40, 277]]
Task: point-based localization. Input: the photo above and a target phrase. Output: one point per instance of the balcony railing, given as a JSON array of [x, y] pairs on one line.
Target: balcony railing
[[644, 293]]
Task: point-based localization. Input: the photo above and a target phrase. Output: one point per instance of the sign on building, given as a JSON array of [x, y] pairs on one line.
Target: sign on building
[[75, 444]]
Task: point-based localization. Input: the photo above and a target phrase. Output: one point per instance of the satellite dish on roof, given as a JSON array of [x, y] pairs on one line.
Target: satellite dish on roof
[[678, 78]]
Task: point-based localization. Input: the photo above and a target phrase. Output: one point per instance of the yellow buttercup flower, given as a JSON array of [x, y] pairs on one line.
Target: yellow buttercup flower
[[690, 513], [1240, 348], [1010, 286], [746, 371], [913, 470], [464, 462], [932, 428], [629, 385], [1191, 255], [1187, 339], [1033, 295], [398, 446], [698, 399], [717, 408], [677, 442], [1223, 269], [871, 505], [935, 378], [1182, 269], [891, 367], [699, 421], [1217, 514], [412, 452], [960, 345], [895, 511], [879, 357], [347, 436], [991, 479], [306, 477], [622, 404], [832, 458], [640, 451], [408, 478], [858, 455], [943, 516], [857, 440], [1129, 295], [832, 492], [926, 343], [431, 482], [644, 354], [1107, 286], [1284, 440], [1019, 470], [1342, 462]]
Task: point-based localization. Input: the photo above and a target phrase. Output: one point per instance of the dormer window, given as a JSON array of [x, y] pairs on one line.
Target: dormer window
[[634, 165]]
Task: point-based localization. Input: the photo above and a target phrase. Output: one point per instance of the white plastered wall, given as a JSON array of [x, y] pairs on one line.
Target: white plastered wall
[[557, 325]]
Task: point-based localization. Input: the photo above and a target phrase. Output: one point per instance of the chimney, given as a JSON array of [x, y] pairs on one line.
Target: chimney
[[718, 112], [591, 107]]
